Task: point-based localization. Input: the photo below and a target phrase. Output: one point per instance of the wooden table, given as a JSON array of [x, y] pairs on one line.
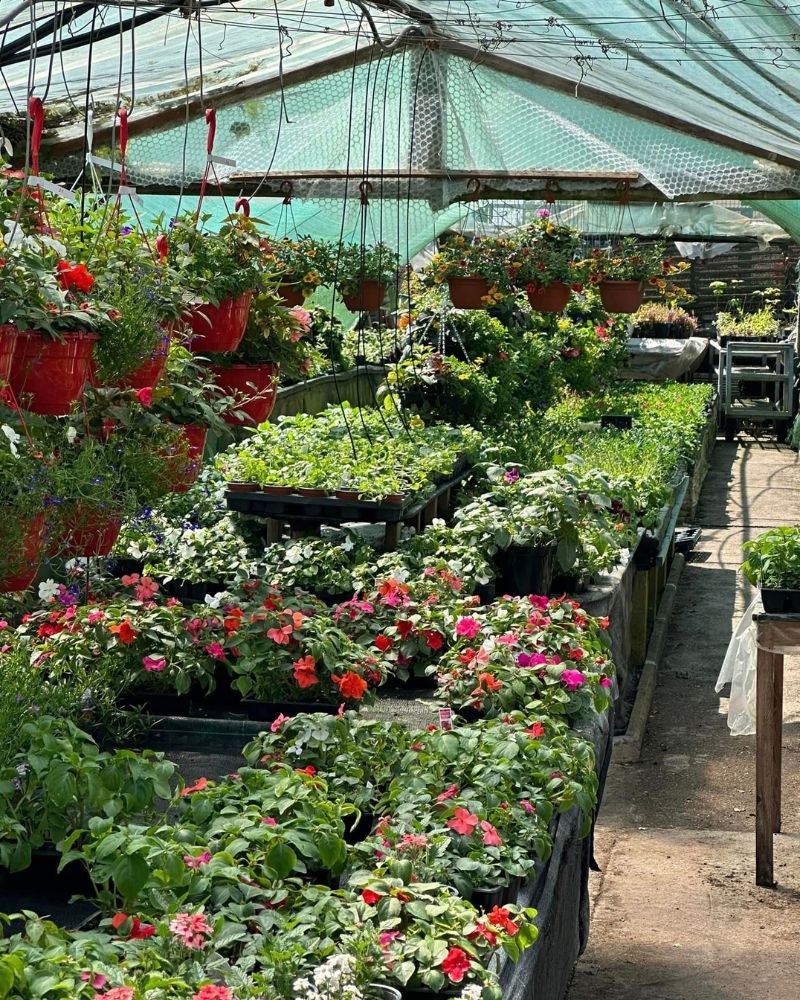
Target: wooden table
[[775, 636]]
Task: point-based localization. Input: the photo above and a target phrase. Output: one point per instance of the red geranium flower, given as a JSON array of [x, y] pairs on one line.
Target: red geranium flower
[[74, 276], [456, 965], [403, 628], [433, 639], [145, 396]]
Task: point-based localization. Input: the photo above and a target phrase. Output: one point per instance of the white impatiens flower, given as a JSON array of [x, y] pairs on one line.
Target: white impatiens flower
[[48, 590], [347, 545], [13, 439], [472, 992], [294, 555], [72, 434], [214, 600]]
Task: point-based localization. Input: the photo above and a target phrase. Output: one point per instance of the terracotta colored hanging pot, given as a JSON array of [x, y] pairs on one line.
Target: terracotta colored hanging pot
[[23, 563], [90, 532], [292, 295], [8, 341], [258, 382], [218, 329], [186, 473], [48, 376], [468, 292], [621, 296], [550, 298], [368, 297]]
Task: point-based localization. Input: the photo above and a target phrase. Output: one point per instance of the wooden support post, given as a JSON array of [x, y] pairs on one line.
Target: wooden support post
[[428, 513], [639, 619], [777, 748], [392, 535], [443, 503], [274, 530], [765, 765]]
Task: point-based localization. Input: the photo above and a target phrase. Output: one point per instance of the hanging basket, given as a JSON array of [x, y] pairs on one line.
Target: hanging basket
[[368, 297], [48, 376], [292, 295], [184, 473], [23, 564], [260, 382], [468, 293], [218, 329], [89, 532], [551, 298], [149, 372], [8, 341], [621, 296]]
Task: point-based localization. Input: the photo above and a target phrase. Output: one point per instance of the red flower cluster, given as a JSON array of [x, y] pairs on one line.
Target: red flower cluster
[[74, 276]]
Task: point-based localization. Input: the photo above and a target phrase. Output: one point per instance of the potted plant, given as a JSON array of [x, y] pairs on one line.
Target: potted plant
[[544, 261], [252, 373], [301, 265], [752, 317], [476, 271], [773, 565], [655, 319], [51, 305], [221, 271], [25, 481], [363, 274], [621, 273]]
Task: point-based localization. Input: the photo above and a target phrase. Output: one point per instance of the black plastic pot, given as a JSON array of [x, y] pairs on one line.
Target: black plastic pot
[[666, 331], [622, 421], [185, 590], [361, 830], [780, 601], [486, 591], [333, 599], [119, 566], [525, 570], [268, 711], [646, 554], [566, 584], [156, 703], [486, 899], [43, 873]]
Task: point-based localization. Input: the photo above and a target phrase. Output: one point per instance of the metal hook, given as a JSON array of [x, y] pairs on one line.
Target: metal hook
[[365, 189], [288, 190], [624, 188], [473, 189], [551, 190]]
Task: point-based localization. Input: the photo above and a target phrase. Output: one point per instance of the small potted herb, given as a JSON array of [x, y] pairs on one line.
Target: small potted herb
[[773, 565]]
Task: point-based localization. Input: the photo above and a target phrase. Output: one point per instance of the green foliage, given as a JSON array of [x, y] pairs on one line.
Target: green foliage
[[773, 559]]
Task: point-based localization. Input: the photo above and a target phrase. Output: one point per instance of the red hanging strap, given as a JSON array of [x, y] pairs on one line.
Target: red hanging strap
[[551, 190], [123, 143], [36, 113], [243, 205], [211, 121]]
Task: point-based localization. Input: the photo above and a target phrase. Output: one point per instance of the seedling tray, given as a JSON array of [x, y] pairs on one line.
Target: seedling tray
[[332, 510]]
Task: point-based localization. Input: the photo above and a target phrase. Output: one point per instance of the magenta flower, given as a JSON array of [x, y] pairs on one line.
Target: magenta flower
[[543, 213], [215, 651], [98, 981], [200, 859], [511, 476], [95, 616], [531, 659], [539, 602], [573, 679], [154, 664], [468, 628], [605, 682], [269, 821]]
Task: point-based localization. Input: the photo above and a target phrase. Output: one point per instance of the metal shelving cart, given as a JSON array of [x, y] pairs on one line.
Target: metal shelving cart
[[755, 380]]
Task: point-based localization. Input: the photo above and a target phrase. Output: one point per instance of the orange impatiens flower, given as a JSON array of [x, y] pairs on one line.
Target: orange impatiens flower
[[124, 632], [351, 685], [198, 786], [305, 672]]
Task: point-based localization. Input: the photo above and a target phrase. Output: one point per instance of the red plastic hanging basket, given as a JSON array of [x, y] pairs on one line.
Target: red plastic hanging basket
[[186, 473], [8, 341], [468, 293], [48, 376], [550, 298], [90, 532], [149, 371], [368, 297], [292, 295], [257, 381], [622, 296], [218, 329], [23, 564]]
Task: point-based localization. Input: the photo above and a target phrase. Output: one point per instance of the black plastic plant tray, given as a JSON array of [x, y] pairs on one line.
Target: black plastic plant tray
[[332, 510]]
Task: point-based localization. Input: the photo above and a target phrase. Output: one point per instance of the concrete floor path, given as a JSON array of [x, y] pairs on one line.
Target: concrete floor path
[[676, 912]]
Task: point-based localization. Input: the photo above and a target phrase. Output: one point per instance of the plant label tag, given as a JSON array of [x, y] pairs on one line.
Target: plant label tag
[[131, 193], [223, 161], [101, 161], [47, 185], [446, 719]]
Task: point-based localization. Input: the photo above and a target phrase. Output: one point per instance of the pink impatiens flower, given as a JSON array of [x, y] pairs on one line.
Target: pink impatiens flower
[[191, 929], [146, 589], [210, 992], [468, 628], [154, 663], [98, 981], [447, 794], [277, 723], [463, 821], [573, 679], [215, 651], [491, 837], [200, 859]]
